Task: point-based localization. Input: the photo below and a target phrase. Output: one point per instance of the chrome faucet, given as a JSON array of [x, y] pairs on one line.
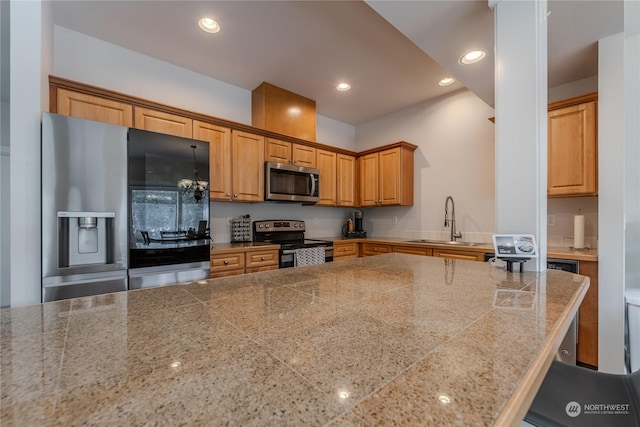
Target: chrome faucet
[[454, 235]]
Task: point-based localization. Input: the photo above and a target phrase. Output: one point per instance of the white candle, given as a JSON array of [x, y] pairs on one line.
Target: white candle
[[578, 231]]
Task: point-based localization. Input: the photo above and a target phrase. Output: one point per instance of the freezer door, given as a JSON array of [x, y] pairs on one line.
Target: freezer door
[[149, 277], [81, 287]]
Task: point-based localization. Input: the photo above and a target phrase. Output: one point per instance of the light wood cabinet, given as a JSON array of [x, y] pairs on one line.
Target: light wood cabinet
[[572, 163], [265, 260], [282, 111], [386, 176], [345, 250], [587, 352], [158, 121], [413, 250], [247, 154], [241, 261], [91, 107], [219, 138], [369, 249], [230, 264], [289, 153], [457, 254], [236, 165], [337, 179]]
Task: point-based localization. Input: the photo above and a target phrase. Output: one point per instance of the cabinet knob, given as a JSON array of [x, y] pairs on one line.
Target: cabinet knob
[[375, 249], [235, 195], [226, 262], [262, 259], [345, 249]]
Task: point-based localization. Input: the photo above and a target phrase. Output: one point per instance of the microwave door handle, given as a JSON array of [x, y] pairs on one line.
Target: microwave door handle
[[313, 184]]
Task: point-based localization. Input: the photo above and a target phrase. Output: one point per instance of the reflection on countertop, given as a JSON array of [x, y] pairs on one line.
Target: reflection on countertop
[[368, 341]]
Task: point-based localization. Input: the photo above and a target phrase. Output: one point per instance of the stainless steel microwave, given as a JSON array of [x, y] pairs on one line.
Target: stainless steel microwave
[[289, 183]]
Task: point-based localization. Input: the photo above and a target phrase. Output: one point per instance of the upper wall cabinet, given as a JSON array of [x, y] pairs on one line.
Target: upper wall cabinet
[[337, 179], [289, 153], [572, 163], [90, 107], [158, 121], [386, 175], [236, 163], [219, 138]]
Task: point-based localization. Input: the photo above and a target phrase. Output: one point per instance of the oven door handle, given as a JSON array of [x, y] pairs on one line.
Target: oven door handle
[[313, 184], [288, 251]]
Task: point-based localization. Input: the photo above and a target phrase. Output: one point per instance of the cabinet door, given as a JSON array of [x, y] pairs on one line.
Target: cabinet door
[[369, 179], [346, 180], [92, 107], [326, 163], [303, 156], [157, 121], [572, 151], [219, 158], [587, 352], [247, 151], [277, 151], [389, 177], [469, 256]]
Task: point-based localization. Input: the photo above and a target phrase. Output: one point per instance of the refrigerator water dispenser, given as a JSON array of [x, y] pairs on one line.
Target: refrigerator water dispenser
[[85, 238]]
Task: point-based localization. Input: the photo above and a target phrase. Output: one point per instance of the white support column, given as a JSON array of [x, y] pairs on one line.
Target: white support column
[[24, 138], [521, 120]]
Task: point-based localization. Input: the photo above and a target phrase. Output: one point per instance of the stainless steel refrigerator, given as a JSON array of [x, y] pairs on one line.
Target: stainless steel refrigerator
[[84, 207]]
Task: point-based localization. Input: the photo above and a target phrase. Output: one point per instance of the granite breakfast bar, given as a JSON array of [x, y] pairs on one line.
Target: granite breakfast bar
[[387, 340]]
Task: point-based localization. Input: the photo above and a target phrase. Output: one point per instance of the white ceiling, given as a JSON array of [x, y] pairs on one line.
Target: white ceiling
[[309, 46]]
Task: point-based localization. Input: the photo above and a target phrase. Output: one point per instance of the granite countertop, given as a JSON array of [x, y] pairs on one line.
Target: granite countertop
[[392, 339]]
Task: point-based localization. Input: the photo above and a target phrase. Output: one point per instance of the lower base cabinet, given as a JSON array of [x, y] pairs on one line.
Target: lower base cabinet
[[345, 250], [241, 261], [369, 249], [587, 351], [455, 254], [412, 250]]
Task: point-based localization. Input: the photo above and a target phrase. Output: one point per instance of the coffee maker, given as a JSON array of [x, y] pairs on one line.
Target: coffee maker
[[356, 229]]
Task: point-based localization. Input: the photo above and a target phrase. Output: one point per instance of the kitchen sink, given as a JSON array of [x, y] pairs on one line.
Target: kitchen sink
[[445, 242]]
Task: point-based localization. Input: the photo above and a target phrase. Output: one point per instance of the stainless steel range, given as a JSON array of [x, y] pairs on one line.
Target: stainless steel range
[[289, 234]]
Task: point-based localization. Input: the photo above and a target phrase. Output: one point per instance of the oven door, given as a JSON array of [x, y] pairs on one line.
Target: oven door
[[291, 183]]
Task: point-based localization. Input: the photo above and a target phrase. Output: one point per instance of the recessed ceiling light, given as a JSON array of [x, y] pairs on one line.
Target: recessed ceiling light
[[208, 25], [343, 87], [446, 81], [473, 57]]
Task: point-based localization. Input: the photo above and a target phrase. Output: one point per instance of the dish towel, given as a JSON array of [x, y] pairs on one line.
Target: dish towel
[[309, 256]]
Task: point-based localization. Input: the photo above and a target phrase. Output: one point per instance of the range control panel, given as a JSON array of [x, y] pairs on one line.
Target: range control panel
[[278, 225]]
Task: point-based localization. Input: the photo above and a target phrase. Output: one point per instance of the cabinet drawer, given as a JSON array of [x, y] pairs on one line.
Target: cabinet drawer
[[470, 256], [261, 259], [342, 250], [375, 249], [227, 262], [413, 250]]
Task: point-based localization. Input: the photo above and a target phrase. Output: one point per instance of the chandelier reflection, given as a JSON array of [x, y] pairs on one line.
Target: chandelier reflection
[[197, 186]]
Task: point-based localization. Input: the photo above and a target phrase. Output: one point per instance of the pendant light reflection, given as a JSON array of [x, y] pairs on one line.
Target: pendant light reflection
[[196, 185]]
